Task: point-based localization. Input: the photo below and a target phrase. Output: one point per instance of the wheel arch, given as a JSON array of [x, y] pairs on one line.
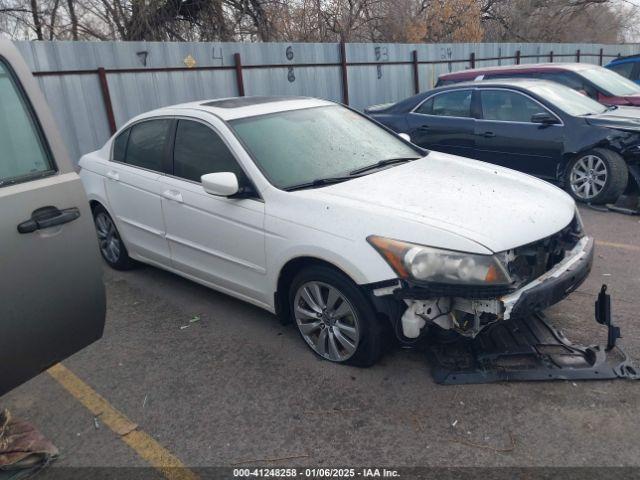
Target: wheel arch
[[95, 201], [287, 274]]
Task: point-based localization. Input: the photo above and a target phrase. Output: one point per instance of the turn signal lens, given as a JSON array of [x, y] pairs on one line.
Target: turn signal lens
[[393, 252]]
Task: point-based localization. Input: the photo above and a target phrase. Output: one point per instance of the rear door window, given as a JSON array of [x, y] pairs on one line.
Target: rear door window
[[23, 152], [147, 143], [456, 103]]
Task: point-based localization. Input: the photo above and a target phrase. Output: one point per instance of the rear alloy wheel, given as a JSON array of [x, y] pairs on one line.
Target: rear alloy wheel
[[597, 176], [334, 317], [111, 246]]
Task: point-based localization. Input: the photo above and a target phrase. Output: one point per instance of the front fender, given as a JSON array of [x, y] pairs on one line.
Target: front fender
[[376, 268]]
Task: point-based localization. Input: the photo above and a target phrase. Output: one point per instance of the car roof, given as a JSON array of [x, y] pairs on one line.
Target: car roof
[[625, 59], [530, 67], [240, 107], [524, 83], [511, 83]]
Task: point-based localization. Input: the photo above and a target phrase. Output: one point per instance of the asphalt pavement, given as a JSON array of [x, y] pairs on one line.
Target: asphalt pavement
[[215, 381]]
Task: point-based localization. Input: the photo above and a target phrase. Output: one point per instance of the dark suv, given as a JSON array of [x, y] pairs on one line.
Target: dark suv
[[601, 84]]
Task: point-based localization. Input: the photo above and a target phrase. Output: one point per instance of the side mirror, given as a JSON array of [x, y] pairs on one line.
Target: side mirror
[[223, 184], [544, 118], [405, 136]]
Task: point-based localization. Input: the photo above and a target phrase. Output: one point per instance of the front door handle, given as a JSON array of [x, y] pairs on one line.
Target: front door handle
[[487, 134], [174, 195], [113, 175], [47, 217], [423, 128]]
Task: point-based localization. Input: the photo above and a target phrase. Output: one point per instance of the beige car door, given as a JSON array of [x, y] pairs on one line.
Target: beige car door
[[52, 300]]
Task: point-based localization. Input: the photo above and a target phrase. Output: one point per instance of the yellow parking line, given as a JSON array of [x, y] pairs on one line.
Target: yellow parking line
[[145, 446], [622, 246]]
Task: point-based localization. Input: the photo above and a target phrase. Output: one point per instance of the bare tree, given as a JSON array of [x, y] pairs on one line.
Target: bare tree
[[321, 20], [37, 23], [602, 21]]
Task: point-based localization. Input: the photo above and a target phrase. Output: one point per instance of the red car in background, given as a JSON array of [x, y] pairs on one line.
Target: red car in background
[[599, 83]]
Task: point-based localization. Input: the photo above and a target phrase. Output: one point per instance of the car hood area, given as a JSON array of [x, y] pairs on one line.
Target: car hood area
[[622, 118], [494, 207]]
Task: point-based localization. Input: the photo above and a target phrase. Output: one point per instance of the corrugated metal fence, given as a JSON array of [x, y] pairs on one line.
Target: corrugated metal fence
[[94, 87]]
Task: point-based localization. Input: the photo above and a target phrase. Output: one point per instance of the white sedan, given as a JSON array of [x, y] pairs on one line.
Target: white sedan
[[317, 213]]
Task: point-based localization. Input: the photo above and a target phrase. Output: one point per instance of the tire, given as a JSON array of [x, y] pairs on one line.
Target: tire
[[587, 170], [110, 243], [352, 331]]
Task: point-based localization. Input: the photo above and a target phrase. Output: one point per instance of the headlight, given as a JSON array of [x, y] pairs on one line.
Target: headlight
[[427, 264]]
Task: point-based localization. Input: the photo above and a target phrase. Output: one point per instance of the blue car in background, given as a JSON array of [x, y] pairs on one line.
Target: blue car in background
[[628, 67]]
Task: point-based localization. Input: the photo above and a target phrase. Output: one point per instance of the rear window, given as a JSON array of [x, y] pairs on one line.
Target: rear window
[[442, 83], [146, 144], [568, 79], [624, 69], [611, 82], [120, 146], [23, 152]]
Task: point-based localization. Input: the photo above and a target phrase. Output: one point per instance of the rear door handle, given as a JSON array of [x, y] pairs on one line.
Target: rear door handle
[[174, 195], [487, 134], [112, 175], [47, 217]]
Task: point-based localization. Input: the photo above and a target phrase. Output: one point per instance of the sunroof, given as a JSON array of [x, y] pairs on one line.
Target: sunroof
[[246, 101]]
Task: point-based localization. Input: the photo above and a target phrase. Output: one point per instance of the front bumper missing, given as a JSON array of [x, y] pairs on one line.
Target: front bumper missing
[[483, 304], [530, 349], [552, 286]]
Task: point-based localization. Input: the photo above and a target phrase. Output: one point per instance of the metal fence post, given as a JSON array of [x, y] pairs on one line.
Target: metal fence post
[[517, 57], [345, 78], [416, 73], [239, 77], [600, 57], [578, 55], [106, 98], [472, 59], [551, 56]]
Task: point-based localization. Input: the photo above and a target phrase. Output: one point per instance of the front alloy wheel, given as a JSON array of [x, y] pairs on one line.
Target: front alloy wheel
[[335, 316], [597, 176], [327, 321], [588, 177]]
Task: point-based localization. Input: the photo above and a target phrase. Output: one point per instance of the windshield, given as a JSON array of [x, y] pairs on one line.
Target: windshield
[[296, 147], [611, 82], [567, 99]]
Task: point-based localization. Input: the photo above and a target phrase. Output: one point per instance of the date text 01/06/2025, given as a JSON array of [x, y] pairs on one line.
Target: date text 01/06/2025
[[315, 473]]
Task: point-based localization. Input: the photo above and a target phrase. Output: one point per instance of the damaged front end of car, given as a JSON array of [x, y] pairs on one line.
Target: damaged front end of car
[[479, 333], [464, 293]]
